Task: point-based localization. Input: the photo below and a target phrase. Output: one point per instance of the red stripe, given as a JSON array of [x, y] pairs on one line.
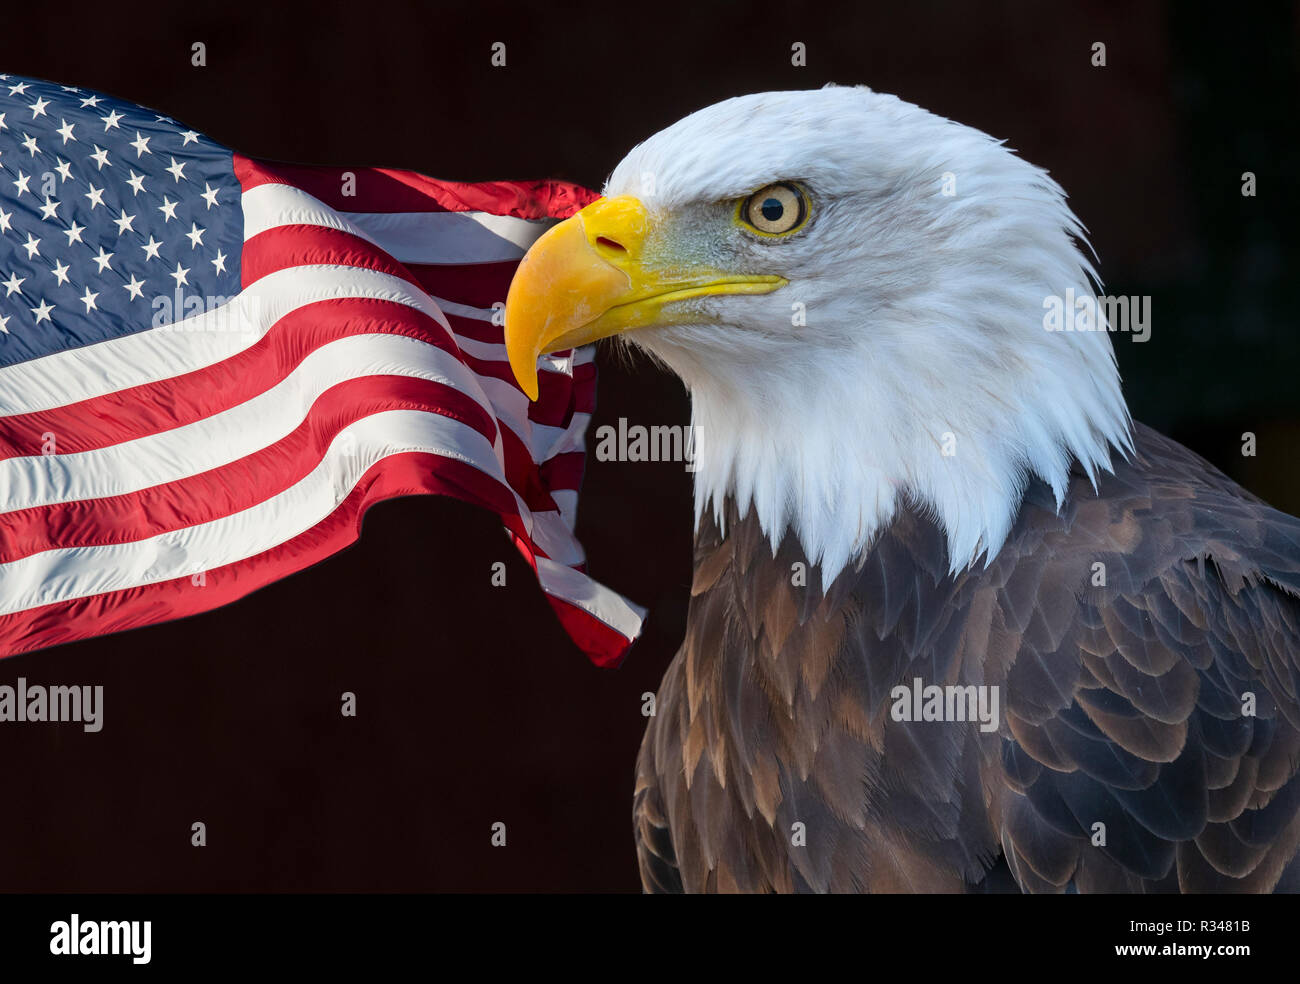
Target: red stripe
[[477, 285], [127, 414], [493, 369], [241, 484], [584, 388], [385, 190], [480, 331], [287, 246], [564, 471], [403, 474], [554, 404], [522, 473]]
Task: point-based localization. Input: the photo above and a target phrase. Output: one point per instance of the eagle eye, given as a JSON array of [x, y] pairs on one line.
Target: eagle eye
[[774, 210]]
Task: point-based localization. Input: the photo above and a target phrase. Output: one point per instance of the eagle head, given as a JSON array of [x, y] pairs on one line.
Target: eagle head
[[853, 290]]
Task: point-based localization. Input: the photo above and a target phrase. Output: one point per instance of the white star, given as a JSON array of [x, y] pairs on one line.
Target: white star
[[111, 119], [69, 88], [177, 171], [141, 144], [195, 235], [13, 284], [50, 209], [209, 194], [88, 299], [38, 107], [60, 271], [2, 122], [180, 275], [42, 312], [168, 209], [133, 288], [64, 169], [151, 249], [124, 222], [219, 262], [19, 89], [102, 259], [65, 131], [30, 143], [100, 157], [90, 101], [32, 246], [4, 220], [74, 233], [4, 324], [164, 119], [96, 196], [21, 183], [136, 181], [190, 137]]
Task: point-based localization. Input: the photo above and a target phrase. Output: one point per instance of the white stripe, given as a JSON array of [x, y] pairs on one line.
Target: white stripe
[[496, 352], [463, 310], [555, 539], [574, 438], [567, 500], [195, 343], [597, 600], [487, 351], [210, 442], [458, 238]]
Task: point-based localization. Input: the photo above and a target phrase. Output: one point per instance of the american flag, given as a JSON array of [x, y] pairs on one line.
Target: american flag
[[211, 366]]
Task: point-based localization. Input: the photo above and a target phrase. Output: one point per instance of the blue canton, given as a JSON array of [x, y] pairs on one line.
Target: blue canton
[[113, 220]]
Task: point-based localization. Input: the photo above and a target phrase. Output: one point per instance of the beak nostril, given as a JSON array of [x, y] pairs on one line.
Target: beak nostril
[[610, 244]]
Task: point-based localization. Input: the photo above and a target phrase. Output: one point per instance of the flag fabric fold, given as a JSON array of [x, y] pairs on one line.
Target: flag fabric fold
[[211, 366]]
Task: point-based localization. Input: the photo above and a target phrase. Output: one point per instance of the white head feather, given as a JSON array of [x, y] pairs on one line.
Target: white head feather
[[924, 329]]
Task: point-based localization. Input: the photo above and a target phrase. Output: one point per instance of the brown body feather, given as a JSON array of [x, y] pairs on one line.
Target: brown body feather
[[1120, 704]]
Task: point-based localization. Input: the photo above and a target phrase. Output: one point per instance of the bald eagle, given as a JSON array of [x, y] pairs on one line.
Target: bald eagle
[[908, 490]]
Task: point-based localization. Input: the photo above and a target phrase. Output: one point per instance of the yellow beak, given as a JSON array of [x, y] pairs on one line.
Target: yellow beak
[[589, 277]]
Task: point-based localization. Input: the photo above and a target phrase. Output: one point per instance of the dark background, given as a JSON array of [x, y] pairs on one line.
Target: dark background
[[473, 707]]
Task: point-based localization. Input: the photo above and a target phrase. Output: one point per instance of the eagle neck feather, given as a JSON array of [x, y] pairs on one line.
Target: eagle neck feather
[[834, 458]]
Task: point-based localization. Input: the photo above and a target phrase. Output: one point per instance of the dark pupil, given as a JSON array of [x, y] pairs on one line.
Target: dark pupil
[[773, 209]]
